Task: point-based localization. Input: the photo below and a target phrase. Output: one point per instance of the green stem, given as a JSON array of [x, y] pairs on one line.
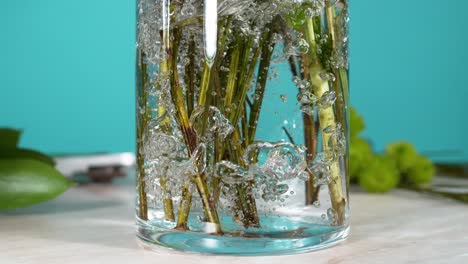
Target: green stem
[[326, 118], [167, 201], [340, 84], [236, 92], [200, 181], [191, 142], [204, 85], [190, 77], [184, 209], [142, 199], [340, 104], [245, 79], [310, 139], [264, 68], [232, 76], [310, 134]]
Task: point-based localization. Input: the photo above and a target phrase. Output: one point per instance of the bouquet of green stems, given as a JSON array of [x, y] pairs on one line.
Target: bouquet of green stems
[[202, 87]]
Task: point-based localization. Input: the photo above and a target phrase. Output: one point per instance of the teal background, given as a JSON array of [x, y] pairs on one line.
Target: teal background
[[66, 73]]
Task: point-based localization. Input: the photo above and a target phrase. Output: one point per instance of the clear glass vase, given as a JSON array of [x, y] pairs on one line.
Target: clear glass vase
[[242, 125]]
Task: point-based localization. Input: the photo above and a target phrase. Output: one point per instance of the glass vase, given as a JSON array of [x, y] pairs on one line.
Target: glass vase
[[242, 125]]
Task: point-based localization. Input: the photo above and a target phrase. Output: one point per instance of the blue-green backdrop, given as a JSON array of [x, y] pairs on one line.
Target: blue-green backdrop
[[66, 73]]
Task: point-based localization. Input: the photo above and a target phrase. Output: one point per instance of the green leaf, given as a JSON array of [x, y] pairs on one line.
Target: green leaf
[[26, 182], [9, 138], [26, 154]]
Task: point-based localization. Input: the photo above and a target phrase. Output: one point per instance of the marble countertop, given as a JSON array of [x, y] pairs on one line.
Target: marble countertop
[[94, 224]]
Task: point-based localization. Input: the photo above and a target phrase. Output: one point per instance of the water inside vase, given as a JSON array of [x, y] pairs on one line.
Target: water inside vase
[[242, 128]]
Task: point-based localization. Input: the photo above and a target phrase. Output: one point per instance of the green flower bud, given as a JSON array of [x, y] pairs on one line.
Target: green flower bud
[[380, 175], [403, 153], [360, 153], [357, 123], [421, 172]]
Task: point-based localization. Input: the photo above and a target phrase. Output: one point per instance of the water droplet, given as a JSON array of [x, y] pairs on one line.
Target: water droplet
[[301, 84], [307, 97], [329, 129], [317, 204], [304, 176], [267, 196], [337, 142], [327, 100], [280, 189], [308, 109], [297, 48], [320, 168], [284, 98], [326, 76], [188, 10], [332, 215], [312, 12], [224, 69]]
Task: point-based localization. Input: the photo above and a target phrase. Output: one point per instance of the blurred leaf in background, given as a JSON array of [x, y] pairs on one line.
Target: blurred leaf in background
[[27, 177]]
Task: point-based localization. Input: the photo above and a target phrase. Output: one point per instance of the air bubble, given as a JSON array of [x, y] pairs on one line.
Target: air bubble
[[327, 100]]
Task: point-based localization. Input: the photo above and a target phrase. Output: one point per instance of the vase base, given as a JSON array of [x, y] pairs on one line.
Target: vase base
[[316, 237]]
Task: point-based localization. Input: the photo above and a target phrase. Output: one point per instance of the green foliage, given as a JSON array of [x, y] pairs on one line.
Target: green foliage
[[25, 154], [420, 172], [296, 17], [9, 138], [380, 175], [360, 153], [357, 123], [403, 153], [401, 164], [27, 177], [25, 182]]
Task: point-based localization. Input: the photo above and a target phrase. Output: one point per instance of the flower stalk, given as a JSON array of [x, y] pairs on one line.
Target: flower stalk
[[326, 117]]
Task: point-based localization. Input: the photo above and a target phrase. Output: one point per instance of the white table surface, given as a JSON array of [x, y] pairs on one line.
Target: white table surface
[[94, 224]]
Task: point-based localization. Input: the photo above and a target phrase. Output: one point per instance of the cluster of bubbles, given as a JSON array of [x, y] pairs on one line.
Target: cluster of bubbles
[[269, 165], [337, 142], [149, 25], [308, 100], [281, 161]]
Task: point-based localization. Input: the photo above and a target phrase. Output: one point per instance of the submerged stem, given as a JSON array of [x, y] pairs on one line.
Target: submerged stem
[[142, 199], [327, 118], [167, 201], [264, 68], [191, 142], [310, 137]]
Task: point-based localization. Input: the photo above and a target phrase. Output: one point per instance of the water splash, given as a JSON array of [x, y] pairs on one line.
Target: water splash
[[280, 161], [231, 173], [216, 123], [320, 168]]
